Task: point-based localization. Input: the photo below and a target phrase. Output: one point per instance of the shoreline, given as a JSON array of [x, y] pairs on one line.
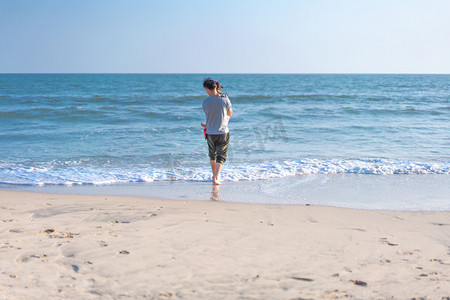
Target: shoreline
[[392, 192], [101, 246]]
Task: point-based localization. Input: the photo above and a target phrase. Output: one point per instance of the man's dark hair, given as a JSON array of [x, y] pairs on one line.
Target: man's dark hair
[[211, 84]]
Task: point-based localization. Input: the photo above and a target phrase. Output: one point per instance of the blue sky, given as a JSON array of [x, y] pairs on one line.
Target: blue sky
[[172, 36]]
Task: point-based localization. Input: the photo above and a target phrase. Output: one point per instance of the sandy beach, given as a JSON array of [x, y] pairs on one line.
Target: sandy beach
[[55, 246]]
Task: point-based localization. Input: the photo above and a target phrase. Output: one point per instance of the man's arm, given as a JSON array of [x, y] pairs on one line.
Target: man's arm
[[229, 110]]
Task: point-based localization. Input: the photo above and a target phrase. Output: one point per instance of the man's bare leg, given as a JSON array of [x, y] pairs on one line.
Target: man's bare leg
[[217, 169], [213, 166]]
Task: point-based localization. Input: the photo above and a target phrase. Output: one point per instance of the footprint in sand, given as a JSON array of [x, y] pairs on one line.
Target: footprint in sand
[[385, 241], [75, 268], [26, 258], [432, 276], [337, 294], [102, 243], [358, 282], [439, 261], [440, 224], [302, 278]]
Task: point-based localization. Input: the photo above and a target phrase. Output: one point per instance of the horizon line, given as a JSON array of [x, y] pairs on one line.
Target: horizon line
[[216, 73]]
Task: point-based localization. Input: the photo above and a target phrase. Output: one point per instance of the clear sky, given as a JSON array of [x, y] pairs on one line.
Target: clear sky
[[235, 36]]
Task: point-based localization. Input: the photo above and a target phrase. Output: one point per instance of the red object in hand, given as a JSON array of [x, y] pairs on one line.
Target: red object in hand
[[204, 132]]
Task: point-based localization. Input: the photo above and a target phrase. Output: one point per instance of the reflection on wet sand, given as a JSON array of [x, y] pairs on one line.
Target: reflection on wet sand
[[215, 193]]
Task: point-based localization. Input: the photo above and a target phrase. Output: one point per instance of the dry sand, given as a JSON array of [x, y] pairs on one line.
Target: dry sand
[[103, 247]]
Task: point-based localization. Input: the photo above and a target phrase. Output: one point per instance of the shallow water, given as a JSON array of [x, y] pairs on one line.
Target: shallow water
[[396, 192]]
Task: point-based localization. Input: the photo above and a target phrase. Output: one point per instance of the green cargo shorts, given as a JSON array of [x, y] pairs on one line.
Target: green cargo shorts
[[218, 147]]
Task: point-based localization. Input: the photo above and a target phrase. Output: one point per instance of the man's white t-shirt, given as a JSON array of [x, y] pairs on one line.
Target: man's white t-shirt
[[216, 109]]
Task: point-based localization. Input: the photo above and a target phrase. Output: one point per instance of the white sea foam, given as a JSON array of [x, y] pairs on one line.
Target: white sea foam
[[82, 175]]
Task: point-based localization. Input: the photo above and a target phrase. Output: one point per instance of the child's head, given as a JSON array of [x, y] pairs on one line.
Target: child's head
[[212, 84]]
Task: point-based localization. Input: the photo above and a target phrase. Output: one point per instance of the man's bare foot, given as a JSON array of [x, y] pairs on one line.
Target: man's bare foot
[[216, 182]]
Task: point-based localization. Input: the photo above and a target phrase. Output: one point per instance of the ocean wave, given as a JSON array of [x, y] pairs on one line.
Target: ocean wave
[[241, 98], [78, 174]]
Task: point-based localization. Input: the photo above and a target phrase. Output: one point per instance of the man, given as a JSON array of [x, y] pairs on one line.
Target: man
[[217, 108]]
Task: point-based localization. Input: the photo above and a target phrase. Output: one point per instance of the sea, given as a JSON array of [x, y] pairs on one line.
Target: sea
[[378, 141]]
